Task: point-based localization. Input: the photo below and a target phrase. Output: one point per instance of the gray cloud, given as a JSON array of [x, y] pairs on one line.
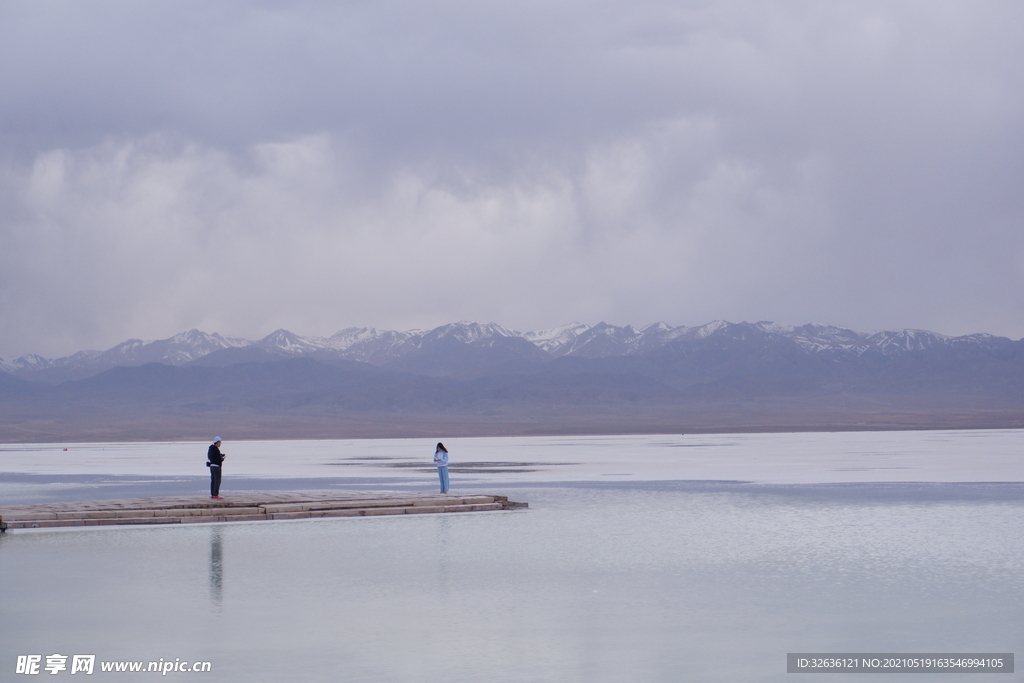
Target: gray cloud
[[245, 166]]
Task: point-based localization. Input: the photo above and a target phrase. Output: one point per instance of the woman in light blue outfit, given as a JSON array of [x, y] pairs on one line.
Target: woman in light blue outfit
[[441, 460]]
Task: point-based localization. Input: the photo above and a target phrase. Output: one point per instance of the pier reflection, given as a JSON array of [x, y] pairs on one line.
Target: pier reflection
[[216, 566]]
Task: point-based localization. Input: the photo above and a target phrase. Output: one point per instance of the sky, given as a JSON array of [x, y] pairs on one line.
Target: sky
[[239, 167]]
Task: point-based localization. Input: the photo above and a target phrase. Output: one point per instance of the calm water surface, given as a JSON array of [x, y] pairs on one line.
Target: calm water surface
[[589, 584]]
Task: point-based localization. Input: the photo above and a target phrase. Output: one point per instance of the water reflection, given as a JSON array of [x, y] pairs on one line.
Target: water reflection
[[443, 530], [588, 584], [216, 567]]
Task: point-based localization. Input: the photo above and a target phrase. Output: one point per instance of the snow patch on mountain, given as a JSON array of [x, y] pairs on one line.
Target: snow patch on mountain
[[659, 334], [899, 341], [554, 339], [604, 340], [827, 338], [468, 333], [31, 361], [710, 328], [768, 327], [350, 336], [368, 344]]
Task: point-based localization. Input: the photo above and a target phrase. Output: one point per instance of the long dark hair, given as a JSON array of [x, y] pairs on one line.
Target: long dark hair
[[440, 447]]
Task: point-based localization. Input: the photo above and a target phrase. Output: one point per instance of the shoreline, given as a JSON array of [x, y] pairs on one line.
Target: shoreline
[[249, 427], [93, 438]]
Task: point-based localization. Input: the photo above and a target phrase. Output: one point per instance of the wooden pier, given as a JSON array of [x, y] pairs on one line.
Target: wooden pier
[[244, 507]]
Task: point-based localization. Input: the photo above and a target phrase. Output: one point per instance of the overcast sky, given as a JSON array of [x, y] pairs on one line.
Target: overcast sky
[[244, 166]]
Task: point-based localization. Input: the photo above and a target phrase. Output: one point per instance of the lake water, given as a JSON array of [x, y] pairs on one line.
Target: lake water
[[640, 559]]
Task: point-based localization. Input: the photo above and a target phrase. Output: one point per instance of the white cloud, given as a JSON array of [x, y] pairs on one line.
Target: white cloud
[[149, 237]]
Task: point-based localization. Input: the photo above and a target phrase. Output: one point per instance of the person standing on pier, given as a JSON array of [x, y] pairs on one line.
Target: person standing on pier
[[441, 460], [214, 460]]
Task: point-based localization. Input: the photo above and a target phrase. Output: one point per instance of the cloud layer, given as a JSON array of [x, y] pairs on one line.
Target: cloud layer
[[248, 166]]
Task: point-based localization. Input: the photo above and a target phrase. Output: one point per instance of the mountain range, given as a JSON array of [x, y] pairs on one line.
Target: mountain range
[[472, 378], [423, 351]]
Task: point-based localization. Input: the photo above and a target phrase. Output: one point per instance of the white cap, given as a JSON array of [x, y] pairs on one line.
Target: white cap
[[216, 439]]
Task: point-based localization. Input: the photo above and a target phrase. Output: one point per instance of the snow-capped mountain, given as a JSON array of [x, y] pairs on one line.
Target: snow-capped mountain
[[31, 362], [413, 350], [603, 340], [468, 333], [368, 345], [177, 350], [490, 379], [557, 338], [289, 344]]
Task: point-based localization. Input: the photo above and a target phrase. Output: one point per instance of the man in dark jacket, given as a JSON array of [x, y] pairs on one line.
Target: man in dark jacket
[[214, 460]]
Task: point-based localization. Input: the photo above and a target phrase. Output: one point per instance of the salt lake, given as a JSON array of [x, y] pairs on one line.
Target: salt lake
[[641, 558]]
